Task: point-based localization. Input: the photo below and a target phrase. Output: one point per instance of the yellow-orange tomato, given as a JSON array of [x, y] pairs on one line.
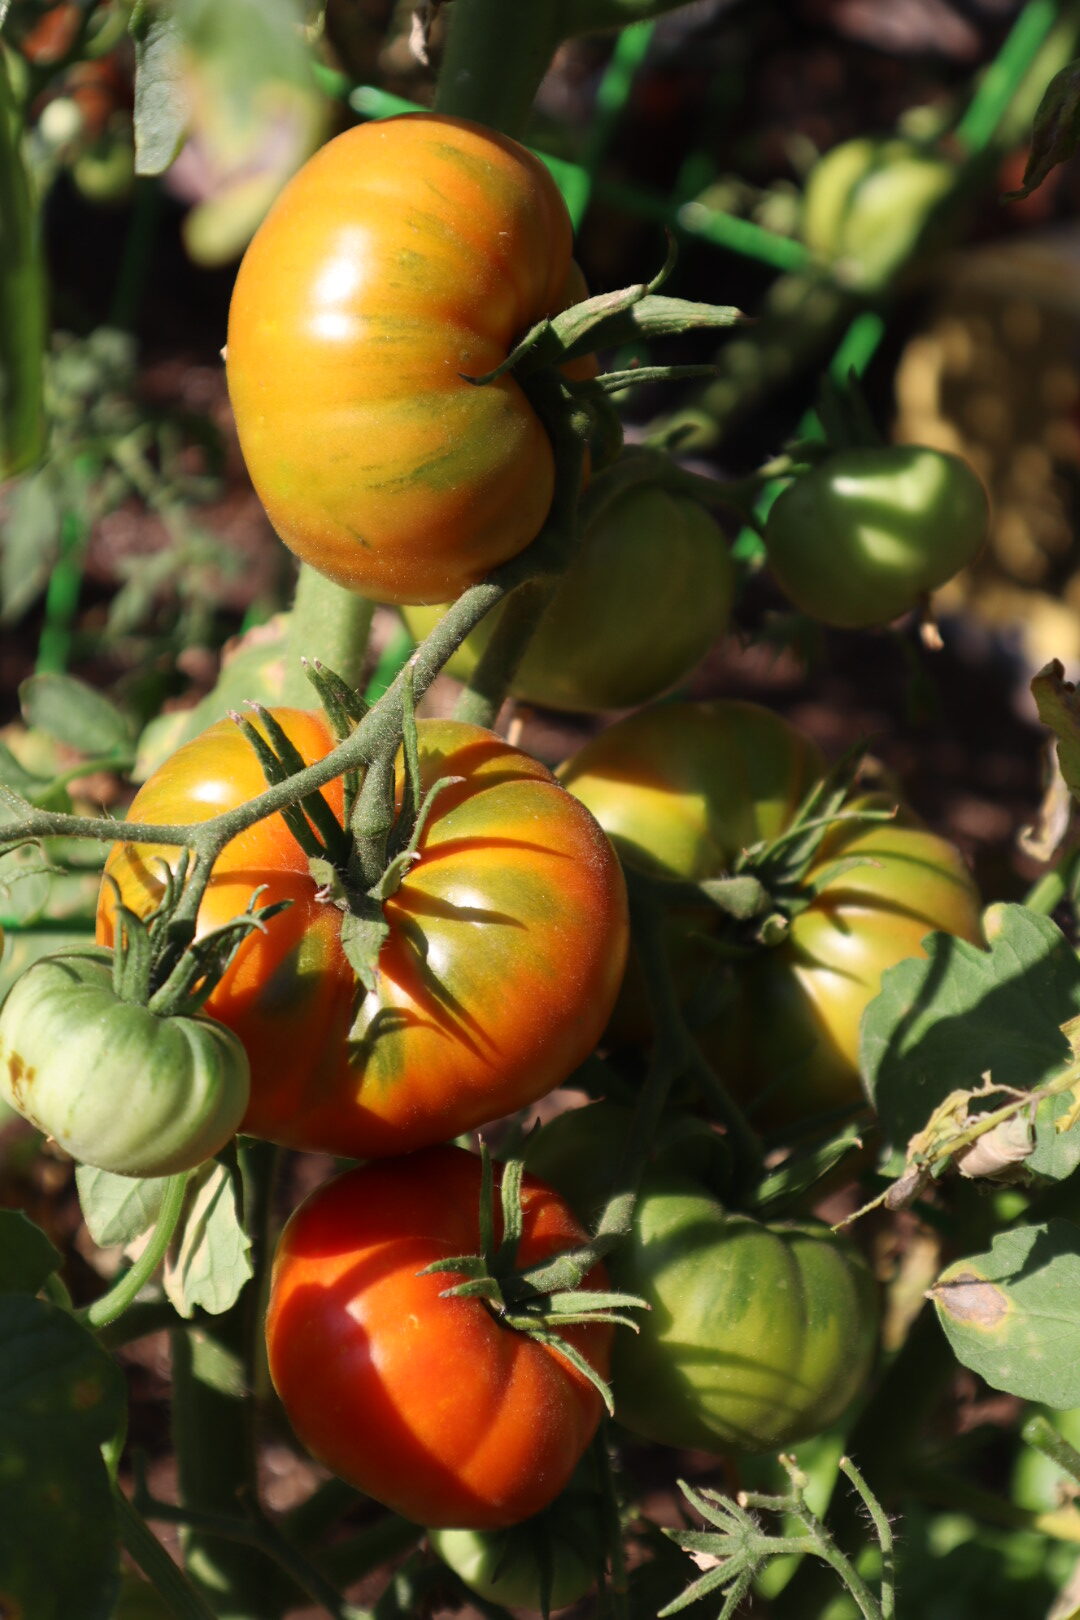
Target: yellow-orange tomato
[[428, 1404], [506, 944], [406, 256], [681, 790]]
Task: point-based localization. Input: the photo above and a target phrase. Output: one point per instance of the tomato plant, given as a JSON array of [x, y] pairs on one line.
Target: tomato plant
[[868, 533], [757, 1336], [406, 256], [682, 790], [113, 1083], [643, 599], [506, 943], [427, 1403]]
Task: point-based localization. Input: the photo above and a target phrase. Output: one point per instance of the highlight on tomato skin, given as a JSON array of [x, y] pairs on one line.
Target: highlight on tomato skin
[[430, 1405], [506, 945], [406, 256]]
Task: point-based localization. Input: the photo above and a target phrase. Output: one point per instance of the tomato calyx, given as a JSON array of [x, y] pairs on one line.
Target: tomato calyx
[[512, 1296], [157, 962], [772, 881], [360, 863]]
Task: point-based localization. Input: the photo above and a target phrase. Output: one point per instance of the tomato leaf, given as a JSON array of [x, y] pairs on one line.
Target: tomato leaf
[[1055, 132], [942, 1022], [210, 1260], [1059, 710], [27, 1257], [118, 1209], [75, 714], [61, 1398], [162, 98], [1013, 1314]]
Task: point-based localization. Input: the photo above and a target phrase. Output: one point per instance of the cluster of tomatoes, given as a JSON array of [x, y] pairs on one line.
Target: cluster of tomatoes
[[403, 263]]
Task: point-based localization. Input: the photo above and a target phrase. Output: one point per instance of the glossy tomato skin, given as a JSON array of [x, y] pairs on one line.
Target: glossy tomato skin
[[758, 1336], [864, 536], [117, 1086], [407, 255], [427, 1404], [645, 596], [506, 945], [680, 790]]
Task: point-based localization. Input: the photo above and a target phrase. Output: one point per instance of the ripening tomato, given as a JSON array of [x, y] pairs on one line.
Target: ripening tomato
[[506, 944], [681, 790], [645, 596], [430, 1405], [406, 256], [758, 1336], [865, 535]]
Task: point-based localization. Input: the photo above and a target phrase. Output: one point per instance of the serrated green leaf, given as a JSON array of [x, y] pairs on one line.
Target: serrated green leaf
[[162, 102], [61, 1398], [939, 1024], [75, 714], [210, 1261], [1013, 1314], [118, 1209], [27, 1257]]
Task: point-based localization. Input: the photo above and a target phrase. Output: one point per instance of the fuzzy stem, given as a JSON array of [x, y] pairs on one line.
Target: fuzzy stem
[[329, 623]]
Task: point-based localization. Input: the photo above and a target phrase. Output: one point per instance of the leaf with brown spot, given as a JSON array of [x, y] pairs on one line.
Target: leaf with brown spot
[[1013, 1314]]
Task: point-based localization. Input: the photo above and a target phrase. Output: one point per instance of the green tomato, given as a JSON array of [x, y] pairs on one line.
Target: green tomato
[[647, 594], [869, 532], [508, 1566], [868, 202], [757, 1337], [113, 1083]]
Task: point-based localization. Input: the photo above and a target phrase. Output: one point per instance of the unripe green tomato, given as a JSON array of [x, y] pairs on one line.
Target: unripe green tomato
[[868, 202], [757, 1337], [869, 532], [117, 1086], [648, 592], [505, 1566]]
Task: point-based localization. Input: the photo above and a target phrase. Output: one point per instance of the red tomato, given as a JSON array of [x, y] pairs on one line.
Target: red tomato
[[408, 255], [507, 940], [430, 1405]]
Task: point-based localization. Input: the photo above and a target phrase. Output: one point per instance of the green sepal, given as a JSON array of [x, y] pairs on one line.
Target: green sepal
[[362, 938]]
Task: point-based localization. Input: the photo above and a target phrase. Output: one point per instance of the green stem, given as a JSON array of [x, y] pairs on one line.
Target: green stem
[[113, 1304], [261, 1534], [1006, 73], [145, 1550], [883, 1530], [217, 1371], [482, 698], [1041, 1434], [491, 74], [144, 1317], [330, 623], [1047, 892], [961, 1496]]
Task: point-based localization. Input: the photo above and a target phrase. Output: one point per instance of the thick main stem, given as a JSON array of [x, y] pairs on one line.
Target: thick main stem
[[493, 64]]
